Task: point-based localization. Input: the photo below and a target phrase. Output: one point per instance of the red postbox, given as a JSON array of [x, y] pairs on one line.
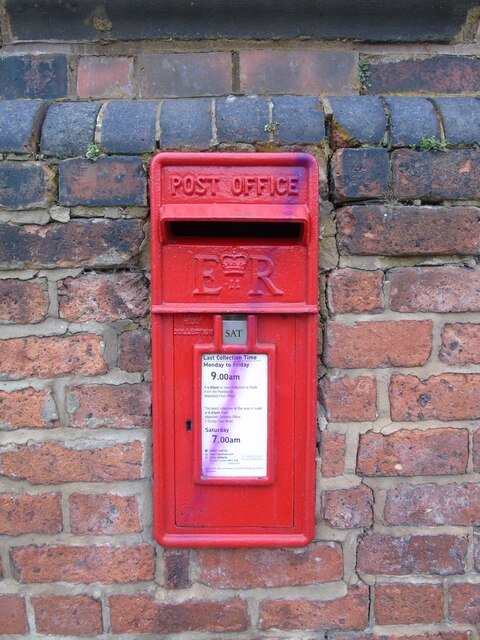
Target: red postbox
[[234, 332]]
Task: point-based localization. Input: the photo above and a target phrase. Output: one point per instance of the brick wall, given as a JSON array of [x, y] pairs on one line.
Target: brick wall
[[396, 550]]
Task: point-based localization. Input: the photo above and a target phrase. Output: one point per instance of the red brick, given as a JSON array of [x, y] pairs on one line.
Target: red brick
[[298, 72], [13, 614], [176, 564], [349, 399], [360, 174], [22, 513], [450, 396], [27, 408], [432, 177], [408, 603], [476, 451], [430, 75], [403, 231], [441, 635], [250, 568], [53, 462], [442, 555], [354, 291], [68, 615], [51, 357], [347, 612], [75, 564], [104, 513], [402, 343], [332, 453], [348, 508], [23, 301], [464, 603], [103, 297], [122, 406], [431, 504], [438, 289], [476, 551], [78, 243], [413, 453], [104, 77], [141, 613], [460, 344], [134, 351], [184, 75]]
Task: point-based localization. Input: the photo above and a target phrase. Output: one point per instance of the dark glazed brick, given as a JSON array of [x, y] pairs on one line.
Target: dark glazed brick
[[461, 120], [77, 243], [357, 120], [25, 185], [298, 119], [183, 75], [43, 76], [360, 174], [429, 176], [106, 182], [241, 119], [20, 123], [69, 128], [186, 123], [411, 119], [128, 126]]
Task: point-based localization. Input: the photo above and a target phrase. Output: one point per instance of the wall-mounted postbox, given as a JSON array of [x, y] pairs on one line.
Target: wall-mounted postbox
[[234, 330]]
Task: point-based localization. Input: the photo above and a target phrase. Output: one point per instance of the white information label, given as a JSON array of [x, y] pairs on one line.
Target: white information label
[[234, 415]]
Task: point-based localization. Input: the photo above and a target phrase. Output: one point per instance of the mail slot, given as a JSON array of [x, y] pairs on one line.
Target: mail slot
[[234, 333]]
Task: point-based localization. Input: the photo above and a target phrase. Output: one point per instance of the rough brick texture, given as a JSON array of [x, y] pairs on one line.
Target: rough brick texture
[[177, 568], [464, 603], [13, 614], [349, 399], [332, 454], [102, 77], [460, 344], [408, 603], [360, 174], [348, 508], [134, 350], [23, 301], [354, 291], [27, 409], [30, 514], [68, 615], [26, 185]]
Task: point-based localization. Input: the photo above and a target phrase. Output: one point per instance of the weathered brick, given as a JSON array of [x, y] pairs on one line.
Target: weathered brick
[[408, 603], [38, 76], [25, 185], [141, 613], [54, 462], [432, 177], [402, 343], [476, 452], [409, 555], [183, 75], [403, 231], [20, 123], [92, 242], [413, 453], [347, 612], [440, 635], [128, 126], [23, 301], [411, 119], [13, 614], [103, 513], [461, 120], [348, 508], [241, 119], [176, 564], [355, 291], [23, 513], [109, 181], [360, 174], [250, 568], [134, 350], [435, 74], [460, 344], [349, 399], [186, 123], [76, 564], [51, 357], [431, 504], [104, 77], [69, 128], [298, 72], [450, 396], [122, 406], [357, 120], [27, 409], [78, 615], [464, 603], [298, 119], [103, 297], [332, 454], [476, 550]]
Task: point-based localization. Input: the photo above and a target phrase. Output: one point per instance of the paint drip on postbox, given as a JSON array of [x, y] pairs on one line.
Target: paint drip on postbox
[[234, 332]]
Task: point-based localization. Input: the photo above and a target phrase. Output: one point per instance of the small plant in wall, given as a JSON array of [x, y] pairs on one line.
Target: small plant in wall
[[93, 151], [431, 144], [272, 127]]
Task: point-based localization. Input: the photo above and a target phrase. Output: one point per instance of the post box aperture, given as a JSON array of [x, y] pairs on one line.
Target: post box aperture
[[234, 333]]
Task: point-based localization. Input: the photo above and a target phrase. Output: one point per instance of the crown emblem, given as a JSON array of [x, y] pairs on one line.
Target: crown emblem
[[233, 264]]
